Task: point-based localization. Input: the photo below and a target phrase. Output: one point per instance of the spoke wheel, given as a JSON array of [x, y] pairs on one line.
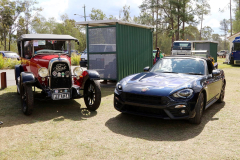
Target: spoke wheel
[[92, 95], [199, 110], [222, 94], [27, 100]]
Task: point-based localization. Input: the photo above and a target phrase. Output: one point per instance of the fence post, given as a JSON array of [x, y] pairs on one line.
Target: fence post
[[3, 80]]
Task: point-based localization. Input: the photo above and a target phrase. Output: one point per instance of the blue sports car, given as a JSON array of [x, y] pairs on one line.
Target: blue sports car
[[174, 88]]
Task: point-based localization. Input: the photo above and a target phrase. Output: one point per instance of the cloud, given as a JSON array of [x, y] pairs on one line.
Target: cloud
[[53, 8]]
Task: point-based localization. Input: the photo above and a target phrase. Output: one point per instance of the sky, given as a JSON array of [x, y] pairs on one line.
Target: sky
[[56, 8]]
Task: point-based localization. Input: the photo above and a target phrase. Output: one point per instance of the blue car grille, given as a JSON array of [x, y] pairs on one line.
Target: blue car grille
[[153, 112], [145, 99]]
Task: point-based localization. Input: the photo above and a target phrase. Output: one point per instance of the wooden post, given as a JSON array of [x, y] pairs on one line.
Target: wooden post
[[3, 80]]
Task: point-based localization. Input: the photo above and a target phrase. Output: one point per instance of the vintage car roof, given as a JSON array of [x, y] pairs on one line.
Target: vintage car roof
[[46, 36]]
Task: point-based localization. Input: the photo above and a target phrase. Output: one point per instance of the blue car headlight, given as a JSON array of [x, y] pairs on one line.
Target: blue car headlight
[[119, 86], [185, 93]]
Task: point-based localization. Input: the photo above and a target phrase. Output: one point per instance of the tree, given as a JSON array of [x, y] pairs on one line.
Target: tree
[[207, 33], [224, 24], [126, 13], [202, 9], [97, 14], [192, 33]]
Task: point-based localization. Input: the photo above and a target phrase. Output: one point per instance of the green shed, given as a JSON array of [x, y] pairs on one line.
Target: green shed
[[117, 49], [210, 46]]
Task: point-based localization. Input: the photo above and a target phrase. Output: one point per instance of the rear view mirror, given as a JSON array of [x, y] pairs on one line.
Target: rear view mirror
[[146, 69], [216, 73]]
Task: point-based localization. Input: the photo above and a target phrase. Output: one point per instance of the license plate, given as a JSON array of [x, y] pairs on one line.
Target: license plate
[[57, 96]]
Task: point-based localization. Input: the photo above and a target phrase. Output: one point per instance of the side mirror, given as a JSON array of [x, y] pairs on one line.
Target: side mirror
[[216, 73], [146, 69]]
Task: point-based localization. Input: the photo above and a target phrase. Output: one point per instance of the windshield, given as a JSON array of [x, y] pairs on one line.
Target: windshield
[[182, 46], [177, 65], [47, 46]]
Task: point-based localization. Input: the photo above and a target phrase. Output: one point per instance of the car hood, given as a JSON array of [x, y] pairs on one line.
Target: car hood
[[158, 84], [43, 60]]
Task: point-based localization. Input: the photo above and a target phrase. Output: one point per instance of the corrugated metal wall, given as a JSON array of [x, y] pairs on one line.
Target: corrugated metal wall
[[213, 50], [134, 50]]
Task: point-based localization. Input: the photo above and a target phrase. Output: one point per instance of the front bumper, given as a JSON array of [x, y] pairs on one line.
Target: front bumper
[[166, 109], [64, 93]]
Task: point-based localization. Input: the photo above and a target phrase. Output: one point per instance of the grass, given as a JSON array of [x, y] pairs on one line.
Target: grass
[[67, 130], [7, 63], [222, 66]]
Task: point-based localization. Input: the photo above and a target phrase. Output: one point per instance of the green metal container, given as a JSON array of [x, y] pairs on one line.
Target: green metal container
[[117, 49], [210, 46]]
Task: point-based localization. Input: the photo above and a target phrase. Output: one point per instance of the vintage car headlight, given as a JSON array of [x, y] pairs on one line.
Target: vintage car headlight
[[43, 72], [78, 71], [185, 93]]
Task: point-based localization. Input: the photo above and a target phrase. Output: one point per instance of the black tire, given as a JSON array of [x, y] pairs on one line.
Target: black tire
[[27, 99], [92, 95], [222, 94], [199, 110], [231, 60]]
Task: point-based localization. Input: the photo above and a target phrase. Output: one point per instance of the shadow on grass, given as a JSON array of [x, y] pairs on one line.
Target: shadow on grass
[[44, 110], [153, 129]]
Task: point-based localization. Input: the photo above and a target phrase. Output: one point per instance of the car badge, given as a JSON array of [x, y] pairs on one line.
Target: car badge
[[65, 90], [62, 74], [54, 73], [59, 74], [56, 91], [144, 89]]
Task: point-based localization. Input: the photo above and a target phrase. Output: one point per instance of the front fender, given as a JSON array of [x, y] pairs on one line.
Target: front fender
[[17, 71], [89, 75], [27, 77]]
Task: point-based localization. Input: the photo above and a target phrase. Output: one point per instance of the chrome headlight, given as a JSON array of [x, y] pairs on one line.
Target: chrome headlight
[[43, 72], [78, 71], [185, 93]]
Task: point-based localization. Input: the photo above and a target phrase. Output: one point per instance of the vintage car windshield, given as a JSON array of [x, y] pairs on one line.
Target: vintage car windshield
[[178, 65], [48, 46]]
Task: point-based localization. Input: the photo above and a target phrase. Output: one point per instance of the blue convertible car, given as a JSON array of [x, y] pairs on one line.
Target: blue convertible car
[[174, 88]]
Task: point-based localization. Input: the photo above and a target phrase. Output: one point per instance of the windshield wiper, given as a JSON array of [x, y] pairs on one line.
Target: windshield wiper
[[170, 72], [194, 73]]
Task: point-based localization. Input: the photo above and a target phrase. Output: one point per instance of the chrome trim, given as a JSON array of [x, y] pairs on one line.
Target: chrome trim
[[50, 67]]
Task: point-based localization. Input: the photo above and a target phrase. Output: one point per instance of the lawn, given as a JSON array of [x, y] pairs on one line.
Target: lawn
[[67, 130]]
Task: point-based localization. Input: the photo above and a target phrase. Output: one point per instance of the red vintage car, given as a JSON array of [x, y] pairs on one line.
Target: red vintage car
[[46, 64]]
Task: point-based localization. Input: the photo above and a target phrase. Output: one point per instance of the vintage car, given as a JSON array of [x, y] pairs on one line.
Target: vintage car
[[176, 87], [46, 65]]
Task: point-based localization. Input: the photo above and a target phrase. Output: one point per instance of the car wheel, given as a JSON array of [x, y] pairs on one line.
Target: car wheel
[[231, 60], [222, 94], [92, 95], [27, 99], [199, 110]]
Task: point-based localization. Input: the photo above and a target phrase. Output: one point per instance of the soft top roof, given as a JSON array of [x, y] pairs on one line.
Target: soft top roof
[[46, 37]]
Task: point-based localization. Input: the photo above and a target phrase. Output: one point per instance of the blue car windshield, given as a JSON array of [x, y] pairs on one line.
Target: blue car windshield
[[178, 65]]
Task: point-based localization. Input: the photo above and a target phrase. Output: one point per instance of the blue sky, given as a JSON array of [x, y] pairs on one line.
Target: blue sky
[[56, 8]]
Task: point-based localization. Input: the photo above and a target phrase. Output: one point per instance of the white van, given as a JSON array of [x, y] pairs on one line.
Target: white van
[[182, 48]]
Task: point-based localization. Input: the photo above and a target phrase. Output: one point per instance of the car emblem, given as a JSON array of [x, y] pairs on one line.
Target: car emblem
[[144, 89]]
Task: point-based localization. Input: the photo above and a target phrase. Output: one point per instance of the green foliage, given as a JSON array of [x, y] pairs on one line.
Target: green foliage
[[8, 63], [97, 14], [75, 59]]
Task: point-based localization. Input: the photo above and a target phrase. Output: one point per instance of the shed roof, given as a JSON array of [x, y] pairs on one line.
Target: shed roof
[[46, 36], [111, 22]]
